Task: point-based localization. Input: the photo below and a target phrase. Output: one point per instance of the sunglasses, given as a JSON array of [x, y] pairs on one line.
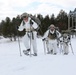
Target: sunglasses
[[24, 16]]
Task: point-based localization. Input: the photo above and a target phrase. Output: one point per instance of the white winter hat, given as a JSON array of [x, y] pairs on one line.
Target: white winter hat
[[24, 15], [65, 35], [52, 26]]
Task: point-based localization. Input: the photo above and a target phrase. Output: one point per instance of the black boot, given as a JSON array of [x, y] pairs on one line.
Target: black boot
[[65, 53], [48, 52], [35, 54], [54, 53], [26, 52]]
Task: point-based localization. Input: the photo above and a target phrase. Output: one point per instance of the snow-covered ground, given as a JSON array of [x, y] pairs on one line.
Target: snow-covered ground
[[11, 63]]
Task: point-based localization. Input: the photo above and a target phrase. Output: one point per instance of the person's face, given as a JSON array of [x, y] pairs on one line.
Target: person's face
[[25, 19], [52, 28]]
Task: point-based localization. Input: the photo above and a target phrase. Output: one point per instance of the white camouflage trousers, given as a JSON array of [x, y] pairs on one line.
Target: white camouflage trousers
[[28, 41], [52, 45], [65, 48]]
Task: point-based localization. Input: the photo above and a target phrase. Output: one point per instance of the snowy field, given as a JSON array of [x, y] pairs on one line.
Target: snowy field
[[11, 63]]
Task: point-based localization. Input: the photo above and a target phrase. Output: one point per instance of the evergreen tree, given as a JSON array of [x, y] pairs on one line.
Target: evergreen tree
[[1, 27], [52, 19], [45, 23], [62, 20], [7, 28]]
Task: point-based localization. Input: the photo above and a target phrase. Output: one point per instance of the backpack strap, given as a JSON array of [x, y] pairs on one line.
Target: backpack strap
[[23, 23], [31, 22]]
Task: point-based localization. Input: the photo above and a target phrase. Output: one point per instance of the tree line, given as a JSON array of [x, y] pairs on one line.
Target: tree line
[[9, 28]]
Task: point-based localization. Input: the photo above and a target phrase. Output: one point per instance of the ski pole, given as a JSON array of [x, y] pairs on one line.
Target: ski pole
[[30, 42], [19, 46], [18, 42], [30, 38], [71, 48], [47, 46], [61, 48], [44, 47]]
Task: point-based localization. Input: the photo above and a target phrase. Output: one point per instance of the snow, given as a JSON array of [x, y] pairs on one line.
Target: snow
[[11, 63]]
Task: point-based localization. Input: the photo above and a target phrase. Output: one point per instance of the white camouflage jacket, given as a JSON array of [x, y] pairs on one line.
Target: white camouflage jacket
[[27, 25]]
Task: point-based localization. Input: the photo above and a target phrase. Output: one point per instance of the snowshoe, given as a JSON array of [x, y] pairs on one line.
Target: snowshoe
[[26, 52], [35, 54], [50, 52], [65, 53], [54, 53]]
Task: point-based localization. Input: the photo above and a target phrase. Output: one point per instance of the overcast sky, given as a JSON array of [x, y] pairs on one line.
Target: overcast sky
[[12, 8]]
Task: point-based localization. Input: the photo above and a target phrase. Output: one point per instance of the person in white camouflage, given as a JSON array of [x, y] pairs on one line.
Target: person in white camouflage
[[52, 35], [30, 37], [66, 40]]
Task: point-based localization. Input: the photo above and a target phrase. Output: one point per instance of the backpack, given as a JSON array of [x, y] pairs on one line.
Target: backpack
[[35, 19]]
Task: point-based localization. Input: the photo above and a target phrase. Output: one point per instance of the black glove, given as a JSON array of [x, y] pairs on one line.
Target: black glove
[[43, 39], [69, 38], [60, 40]]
